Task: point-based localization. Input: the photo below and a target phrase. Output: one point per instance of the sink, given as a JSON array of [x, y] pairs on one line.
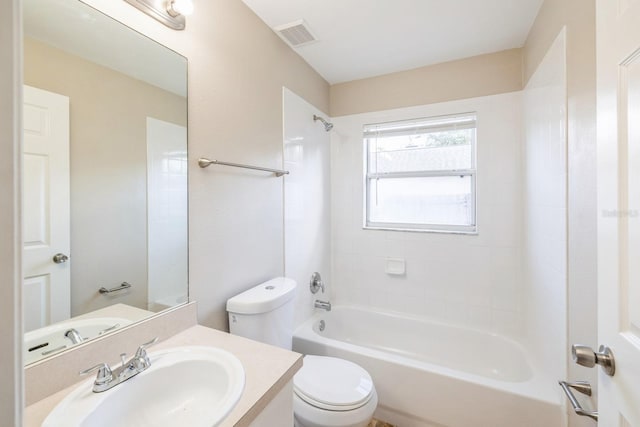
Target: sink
[[184, 386], [49, 340]]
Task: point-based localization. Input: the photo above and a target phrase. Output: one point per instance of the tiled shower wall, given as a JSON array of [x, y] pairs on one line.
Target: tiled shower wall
[[307, 214], [545, 208], [469, 280]]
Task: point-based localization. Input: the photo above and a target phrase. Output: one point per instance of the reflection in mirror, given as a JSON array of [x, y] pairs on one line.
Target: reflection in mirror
[[105, 176]]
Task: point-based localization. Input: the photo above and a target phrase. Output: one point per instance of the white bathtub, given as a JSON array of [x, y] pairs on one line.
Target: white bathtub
[[430, 374]]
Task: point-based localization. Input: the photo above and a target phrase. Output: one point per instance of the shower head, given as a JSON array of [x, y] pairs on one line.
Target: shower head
[[327, 125]]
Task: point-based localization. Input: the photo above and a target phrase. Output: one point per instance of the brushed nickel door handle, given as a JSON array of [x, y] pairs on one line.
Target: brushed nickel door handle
[[585, 356], [60, 258]]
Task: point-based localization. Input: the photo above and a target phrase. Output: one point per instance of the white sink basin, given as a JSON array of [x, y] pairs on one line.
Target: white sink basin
[[185, 386]]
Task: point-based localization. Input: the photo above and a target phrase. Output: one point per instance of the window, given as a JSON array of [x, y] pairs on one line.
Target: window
[[421, 174]]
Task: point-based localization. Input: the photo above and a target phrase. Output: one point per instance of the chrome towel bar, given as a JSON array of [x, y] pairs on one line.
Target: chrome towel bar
[[124, 285], [203, 163], [582, 387]]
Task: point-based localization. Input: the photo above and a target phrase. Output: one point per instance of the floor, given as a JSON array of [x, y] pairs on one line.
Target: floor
[[377, 423]]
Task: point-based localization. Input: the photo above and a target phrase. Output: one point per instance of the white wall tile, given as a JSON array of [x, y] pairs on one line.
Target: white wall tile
[[449, 277], [545, 207], [480, 317], [307, 212], [506, 322]]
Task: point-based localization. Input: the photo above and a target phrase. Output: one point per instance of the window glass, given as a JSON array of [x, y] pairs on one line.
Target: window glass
[[420, 174]]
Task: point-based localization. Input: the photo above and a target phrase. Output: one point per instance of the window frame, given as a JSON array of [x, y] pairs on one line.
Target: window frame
[[412, 227]]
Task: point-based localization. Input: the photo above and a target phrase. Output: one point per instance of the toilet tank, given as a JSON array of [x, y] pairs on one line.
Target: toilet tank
[[265, 312]]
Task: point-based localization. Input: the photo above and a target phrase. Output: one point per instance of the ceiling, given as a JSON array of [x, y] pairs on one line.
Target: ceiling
[[365, 38]]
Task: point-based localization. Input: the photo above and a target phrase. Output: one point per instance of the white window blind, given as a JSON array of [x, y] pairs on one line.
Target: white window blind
[[421, 174]]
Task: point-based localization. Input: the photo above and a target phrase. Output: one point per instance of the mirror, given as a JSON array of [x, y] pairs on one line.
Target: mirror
[[105, 176]]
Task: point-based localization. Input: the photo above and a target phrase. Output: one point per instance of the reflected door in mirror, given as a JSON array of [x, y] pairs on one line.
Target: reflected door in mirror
[[46, 287]]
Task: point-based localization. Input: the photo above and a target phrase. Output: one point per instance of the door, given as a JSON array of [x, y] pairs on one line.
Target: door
[[618, 49], [46, 200]]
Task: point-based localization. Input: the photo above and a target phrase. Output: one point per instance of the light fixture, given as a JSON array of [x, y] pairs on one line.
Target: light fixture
[[170, 12]]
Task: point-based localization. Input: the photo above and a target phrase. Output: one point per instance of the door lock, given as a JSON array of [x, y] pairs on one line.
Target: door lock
[[585, 356], [60, 258]]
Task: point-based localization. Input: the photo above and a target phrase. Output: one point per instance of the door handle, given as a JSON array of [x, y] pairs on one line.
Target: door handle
[[60, 258], [585, 356]]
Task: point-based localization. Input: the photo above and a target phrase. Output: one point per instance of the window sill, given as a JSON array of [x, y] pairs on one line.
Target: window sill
[[470, 232]]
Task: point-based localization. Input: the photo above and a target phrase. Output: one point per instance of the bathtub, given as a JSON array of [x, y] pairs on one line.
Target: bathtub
[[429, 374]]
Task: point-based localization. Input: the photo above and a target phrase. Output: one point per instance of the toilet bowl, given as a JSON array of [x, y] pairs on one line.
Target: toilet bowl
[[332, 392], [328, 392]]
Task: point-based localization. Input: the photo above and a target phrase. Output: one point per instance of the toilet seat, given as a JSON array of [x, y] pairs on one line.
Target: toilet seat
[[333, 384]]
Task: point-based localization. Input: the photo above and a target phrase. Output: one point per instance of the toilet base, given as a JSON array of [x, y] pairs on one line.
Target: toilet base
[[306, 415]]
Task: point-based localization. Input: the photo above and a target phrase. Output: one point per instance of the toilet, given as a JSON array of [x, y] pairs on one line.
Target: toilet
[[328, 391]]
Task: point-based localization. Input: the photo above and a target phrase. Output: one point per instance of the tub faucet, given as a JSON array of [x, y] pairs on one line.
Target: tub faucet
[[74, 336], [325, 305], [107, 378]]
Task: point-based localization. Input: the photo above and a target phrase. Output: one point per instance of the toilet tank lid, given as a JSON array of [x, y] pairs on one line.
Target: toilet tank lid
[[263, 298]]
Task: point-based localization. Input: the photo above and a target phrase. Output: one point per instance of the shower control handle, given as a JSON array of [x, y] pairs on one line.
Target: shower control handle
[[316, 283], [585, 356]]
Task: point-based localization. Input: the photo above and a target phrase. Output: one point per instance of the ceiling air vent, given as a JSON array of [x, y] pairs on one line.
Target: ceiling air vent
[[296, 33]]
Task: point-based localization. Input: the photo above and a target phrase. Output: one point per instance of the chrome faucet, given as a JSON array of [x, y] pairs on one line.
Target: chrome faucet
[[325, 305], [107, 379], [74, 336]]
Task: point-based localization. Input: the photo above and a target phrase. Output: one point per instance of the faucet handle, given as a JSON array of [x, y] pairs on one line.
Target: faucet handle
[[316, 283], [142, 350], [141, 353], [104, 373]]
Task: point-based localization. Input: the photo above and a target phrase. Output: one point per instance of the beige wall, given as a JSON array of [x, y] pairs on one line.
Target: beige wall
[[11, 373], [579, 18], [108, 115], [237, 67], [482, 75]]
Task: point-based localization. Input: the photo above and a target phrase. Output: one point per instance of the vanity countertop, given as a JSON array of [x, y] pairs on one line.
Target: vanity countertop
[[267, 369]]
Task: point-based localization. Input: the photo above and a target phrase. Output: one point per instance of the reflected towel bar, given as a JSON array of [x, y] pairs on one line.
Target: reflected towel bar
[[48, 352], [203, 163], [124, 285]]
